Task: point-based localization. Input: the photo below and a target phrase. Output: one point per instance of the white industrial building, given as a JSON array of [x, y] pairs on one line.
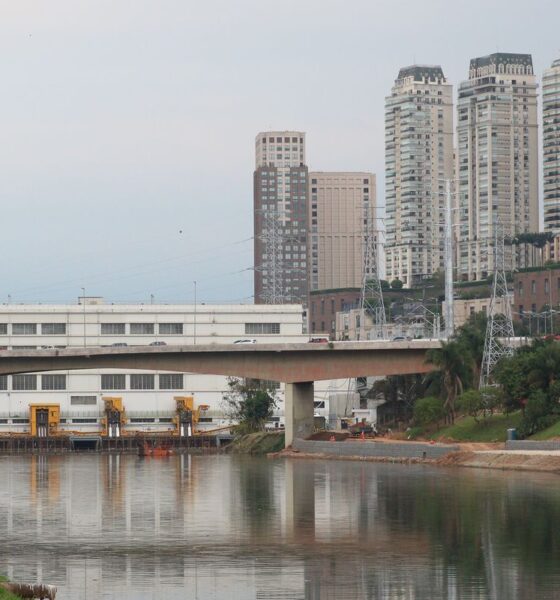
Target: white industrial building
[[148, 397]]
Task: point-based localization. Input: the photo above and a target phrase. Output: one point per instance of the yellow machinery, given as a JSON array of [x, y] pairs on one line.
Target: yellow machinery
[[44, 419], [186, 416], [114, 419]]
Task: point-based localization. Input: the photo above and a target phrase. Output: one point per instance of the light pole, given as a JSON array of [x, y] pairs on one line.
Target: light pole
[[194, 328], [84, 306]]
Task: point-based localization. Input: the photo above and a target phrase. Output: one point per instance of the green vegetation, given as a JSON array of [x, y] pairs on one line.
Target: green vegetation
[[258, 443], [529, 381], [550, 432], [250, 402], [4, 594], [429, 410], [467, 429]]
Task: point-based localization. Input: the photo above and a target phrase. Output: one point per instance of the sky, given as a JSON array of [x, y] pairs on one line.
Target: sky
[[127, 126]]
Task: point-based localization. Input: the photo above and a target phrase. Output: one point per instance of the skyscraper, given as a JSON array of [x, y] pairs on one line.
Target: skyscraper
[[418, 157], [551, 147], [497, 160], [339, 203], [280, 218]]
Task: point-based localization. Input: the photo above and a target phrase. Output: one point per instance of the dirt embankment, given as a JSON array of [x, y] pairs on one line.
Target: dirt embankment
[[530, 460], [257, 443]]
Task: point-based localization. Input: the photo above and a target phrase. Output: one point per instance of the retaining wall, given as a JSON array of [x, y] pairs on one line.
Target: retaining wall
[[532, 445], [382, 449]]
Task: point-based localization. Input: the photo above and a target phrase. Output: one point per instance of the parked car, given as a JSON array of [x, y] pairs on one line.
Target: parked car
[[119, 345], [158, 344], [246, 341], [319, 339]]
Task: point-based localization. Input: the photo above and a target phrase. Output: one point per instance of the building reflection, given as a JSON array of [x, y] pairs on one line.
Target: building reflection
[[212, 526]]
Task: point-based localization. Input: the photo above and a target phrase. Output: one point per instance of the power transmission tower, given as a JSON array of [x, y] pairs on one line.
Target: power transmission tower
[[272, 267], [499, 329], [371, 297]]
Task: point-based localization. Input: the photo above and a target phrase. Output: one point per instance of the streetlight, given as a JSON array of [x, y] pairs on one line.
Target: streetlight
[[84, 305], [194, 328]]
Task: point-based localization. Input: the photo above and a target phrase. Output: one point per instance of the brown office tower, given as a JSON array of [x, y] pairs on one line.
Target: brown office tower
[[280, 218], [340, 203]]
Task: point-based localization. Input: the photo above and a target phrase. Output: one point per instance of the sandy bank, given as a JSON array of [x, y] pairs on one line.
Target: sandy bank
[[513, 460]]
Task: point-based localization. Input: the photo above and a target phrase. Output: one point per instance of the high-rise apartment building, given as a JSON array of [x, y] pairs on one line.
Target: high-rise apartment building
[[418, 157], [497, 160], [339, 205], [280, 217], [551, 147]]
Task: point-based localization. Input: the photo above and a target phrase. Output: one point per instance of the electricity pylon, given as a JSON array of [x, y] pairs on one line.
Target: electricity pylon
[[499, 329], [272, 267], [371, 297]]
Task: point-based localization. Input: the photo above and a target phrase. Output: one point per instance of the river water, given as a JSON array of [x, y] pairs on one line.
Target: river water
[[213, 527]]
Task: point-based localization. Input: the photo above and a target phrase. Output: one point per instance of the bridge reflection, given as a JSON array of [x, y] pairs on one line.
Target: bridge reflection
[[214, 527]]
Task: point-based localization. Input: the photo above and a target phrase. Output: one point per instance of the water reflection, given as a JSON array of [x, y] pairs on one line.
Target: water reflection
[[115, 526]]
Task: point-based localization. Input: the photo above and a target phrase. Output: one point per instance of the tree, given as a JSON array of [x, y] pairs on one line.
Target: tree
[[471, 336], [530, 380], [396, 284], [429, 410], [450, 360], [250, 402], [480, 403]]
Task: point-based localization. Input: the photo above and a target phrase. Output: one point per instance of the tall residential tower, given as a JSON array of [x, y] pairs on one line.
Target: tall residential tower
[[551, 147], [418, 158], [280, 218], [497, 160]]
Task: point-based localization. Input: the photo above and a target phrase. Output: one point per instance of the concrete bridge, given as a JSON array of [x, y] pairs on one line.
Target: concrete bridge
[[296, 365]]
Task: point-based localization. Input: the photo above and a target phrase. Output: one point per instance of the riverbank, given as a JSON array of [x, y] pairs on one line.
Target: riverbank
[[263, 442], [481, 456]]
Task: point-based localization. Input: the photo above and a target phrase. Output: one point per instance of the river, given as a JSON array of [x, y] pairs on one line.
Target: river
[[212, 527]]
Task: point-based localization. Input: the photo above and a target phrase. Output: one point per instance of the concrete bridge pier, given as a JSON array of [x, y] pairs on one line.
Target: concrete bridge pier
[[298, 411]]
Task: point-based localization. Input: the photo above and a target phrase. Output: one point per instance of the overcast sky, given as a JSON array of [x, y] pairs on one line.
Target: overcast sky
[[127, 128]]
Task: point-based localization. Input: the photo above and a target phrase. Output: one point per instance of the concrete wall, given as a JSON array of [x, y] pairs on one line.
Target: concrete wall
[[532, 445], [373, 449]]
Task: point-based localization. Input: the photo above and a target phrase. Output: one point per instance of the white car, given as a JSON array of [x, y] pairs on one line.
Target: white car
[[245, 341]]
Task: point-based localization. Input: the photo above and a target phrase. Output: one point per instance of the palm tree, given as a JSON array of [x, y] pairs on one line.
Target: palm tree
[[453, 362]]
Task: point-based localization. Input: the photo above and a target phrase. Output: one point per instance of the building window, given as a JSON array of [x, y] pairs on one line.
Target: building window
[[520, 288], [4, 327], [546, 286], [171, 328], [3, 382], [113, 329], [142, 382], [533, 287], [171, 381], [142, 328], [53, 328], [24, 329], [24, 382], [53, 382], [83, 400], [113, 382], [262, 328]]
